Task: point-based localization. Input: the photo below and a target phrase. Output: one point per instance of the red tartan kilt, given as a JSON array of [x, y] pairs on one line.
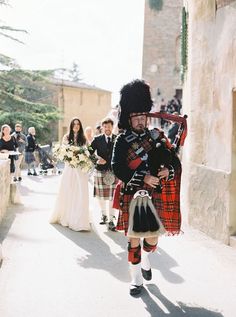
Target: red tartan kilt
[[116, 197], [167, 205]]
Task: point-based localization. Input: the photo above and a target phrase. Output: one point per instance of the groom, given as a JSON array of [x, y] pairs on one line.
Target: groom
[[104, 179]]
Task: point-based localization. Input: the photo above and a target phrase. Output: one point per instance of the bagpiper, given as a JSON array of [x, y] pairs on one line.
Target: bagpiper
[[147, 194]]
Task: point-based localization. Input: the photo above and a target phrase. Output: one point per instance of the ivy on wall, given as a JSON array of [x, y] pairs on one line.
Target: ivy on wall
[[184, 44], [156, 5]]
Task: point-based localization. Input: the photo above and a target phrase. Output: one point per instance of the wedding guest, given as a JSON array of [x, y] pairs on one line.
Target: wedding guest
[[21, 141], [104, 179], [29, 151], [88, 132], [173, 129], [98, 129], [8, 143]]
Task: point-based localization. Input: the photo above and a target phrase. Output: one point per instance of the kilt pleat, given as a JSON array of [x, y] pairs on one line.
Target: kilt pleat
[[29, 157], [167, 204], [101, 190]]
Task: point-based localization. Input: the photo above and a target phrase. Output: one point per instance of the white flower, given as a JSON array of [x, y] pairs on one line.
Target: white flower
[[83, 157], [73, 162], [69, 154], [75, 156]]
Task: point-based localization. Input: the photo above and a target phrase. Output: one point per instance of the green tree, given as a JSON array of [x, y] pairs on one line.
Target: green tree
[[27, 97], [74, 73]]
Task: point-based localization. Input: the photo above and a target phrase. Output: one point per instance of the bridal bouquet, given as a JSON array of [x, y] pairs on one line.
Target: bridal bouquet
[[75, 156]]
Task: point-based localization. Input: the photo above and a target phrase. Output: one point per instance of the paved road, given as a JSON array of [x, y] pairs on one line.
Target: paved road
[[51, 271]]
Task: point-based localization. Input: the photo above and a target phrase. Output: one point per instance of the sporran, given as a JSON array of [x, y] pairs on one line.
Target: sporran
[[143, 218], [109, 178]]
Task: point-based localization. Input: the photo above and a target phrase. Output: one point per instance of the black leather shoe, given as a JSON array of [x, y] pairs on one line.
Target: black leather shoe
[[103, 220], [35, 174], [135, 289], [147, 275], [111, 226], [19, 179], [29, 173], [14, 179]]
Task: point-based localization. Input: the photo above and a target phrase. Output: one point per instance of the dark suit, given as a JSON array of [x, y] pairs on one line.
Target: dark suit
[[104, 150], [102, 190]]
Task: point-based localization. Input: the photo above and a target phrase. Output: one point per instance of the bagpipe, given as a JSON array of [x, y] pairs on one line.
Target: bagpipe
[[164, 153], [182, 131], [143, 218]]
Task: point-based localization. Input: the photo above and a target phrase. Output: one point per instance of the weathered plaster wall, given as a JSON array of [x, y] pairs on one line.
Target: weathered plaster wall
[[208, 101]]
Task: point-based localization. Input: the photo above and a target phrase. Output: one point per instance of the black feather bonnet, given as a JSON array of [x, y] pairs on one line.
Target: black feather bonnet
[[134, 97]]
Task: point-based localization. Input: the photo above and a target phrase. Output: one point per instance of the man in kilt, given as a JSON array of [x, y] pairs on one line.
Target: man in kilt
[[104, 179], [145, 165]]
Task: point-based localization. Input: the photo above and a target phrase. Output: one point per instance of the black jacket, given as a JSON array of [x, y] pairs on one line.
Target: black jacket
[[135, 176], [103, 150], [31, 144]]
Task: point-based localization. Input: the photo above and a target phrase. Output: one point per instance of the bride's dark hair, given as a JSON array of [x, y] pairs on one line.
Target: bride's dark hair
[[80, 136]]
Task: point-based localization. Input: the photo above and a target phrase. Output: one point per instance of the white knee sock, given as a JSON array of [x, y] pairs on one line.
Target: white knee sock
[[111, 211], [136, 275], [102, 204], [145, 260]]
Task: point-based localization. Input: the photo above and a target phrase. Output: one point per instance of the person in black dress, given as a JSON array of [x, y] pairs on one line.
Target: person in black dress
[[8, 143]]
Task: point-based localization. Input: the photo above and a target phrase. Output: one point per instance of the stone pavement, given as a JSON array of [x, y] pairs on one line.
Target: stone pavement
[[51, 271]]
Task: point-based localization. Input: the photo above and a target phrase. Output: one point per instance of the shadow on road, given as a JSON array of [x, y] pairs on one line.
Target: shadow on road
[[163, 262], [170, 309], [99, 254], [160, 260]]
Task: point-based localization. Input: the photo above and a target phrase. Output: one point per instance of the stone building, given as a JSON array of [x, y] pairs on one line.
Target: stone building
[[210, 101], [89, 103], [161, 48]]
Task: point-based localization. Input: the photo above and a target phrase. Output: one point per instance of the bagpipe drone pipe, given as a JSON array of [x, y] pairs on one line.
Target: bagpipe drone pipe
[[164, 153], [182, 131]]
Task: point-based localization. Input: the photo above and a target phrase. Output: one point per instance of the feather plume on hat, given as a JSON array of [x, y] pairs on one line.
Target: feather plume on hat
[[135, 97]]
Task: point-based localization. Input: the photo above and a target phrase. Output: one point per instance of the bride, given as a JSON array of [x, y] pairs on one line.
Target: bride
[[72, 203]]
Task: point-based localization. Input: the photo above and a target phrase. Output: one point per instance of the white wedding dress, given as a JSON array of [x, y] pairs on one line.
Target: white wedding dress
[[72, 203]]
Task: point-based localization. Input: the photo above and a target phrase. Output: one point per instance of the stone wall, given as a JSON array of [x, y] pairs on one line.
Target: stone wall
[[161, 48], [208, 101], [209, 204], [4, 186]]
